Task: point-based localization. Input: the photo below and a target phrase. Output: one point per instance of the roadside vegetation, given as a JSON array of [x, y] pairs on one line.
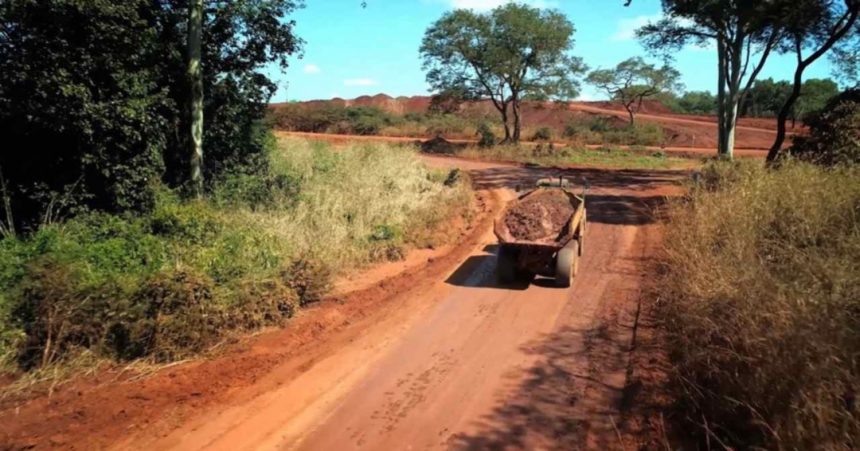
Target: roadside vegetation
[[467, 124], [171, 283], [548, 154], [761, 294]]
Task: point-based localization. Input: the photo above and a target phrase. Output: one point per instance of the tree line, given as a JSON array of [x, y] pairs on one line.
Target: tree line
[[98, 99], [517, 52]]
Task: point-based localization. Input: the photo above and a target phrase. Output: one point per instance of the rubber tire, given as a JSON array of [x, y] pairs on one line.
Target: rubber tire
[[506, 265], [566, 265]]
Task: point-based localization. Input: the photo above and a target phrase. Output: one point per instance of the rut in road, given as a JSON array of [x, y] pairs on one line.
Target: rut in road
[[468, 363]]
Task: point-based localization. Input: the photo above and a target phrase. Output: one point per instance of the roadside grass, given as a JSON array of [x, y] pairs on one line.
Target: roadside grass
[[761, 297], [551, 155], [173, 283]]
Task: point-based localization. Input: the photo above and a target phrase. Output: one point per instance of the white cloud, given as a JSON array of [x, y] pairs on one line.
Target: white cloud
[[627, 27], [485, 5], [360, 82], [312, 69]]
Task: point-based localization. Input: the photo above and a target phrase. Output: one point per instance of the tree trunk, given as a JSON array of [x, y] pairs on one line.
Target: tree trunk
[[517, 120], [781, 133], [631, 115], [504, 112], [195, 78], [722, 136]]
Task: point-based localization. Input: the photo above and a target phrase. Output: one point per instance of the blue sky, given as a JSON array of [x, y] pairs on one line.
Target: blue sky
[[352, 51]]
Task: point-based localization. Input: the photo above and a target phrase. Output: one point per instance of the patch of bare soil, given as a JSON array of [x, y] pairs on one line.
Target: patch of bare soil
[[540, 215]]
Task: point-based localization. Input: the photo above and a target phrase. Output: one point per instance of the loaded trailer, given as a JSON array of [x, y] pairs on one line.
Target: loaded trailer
[[542, 232]]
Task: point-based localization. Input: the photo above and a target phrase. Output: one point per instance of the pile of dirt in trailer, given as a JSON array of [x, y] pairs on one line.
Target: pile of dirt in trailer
[[539, 216]]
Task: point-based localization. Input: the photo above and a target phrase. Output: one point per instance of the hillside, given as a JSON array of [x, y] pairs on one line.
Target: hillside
[[679, 130]]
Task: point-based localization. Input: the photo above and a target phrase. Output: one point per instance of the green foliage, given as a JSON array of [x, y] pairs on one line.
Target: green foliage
[[694, 102], [637, 135], [760, 301], [765, 98], [542, 134], [487, 137], [93, 96], [170, 283], [834, 133], [521, 50], [359, 120], [634, 80]]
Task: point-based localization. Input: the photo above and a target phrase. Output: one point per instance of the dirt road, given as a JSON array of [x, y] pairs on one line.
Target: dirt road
[[467, 363], [439, 356]]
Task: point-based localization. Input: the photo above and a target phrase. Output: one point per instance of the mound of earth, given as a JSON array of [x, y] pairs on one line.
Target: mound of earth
[[438, 145], [539, 216]]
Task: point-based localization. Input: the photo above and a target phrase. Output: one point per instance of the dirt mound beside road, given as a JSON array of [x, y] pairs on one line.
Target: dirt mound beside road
[[539, 216]]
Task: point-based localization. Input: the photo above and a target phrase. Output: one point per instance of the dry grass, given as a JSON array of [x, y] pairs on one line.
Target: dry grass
[[170, 284], [546, 154], [762, 302]]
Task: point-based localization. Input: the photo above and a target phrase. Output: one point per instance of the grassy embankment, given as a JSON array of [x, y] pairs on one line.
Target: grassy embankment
[[172, 283], [762, 306]]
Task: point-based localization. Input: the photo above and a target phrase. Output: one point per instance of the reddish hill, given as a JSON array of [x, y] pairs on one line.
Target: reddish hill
[[679, 130]]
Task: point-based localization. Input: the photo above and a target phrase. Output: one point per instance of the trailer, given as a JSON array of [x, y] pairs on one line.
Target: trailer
[[552, 240]]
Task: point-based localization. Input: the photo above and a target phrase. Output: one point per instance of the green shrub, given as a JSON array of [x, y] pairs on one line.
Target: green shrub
[[169, 284], [761, 296], [487, 137], [542, 134], [834, 133], [639, 134]]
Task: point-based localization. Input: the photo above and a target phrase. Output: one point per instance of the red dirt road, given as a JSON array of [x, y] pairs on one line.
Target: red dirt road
[[447, 360]]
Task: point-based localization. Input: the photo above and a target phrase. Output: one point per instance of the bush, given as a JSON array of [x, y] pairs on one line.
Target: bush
[[834, 133], [169, 284], [637, 135], [542, 134], [487, 137], [761, 305]]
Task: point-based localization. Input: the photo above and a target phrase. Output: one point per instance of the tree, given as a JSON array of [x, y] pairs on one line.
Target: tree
[[633, 80], [834, 133], [94, 98], [815, 94], [698, 102], [745, 35], [195, 78], [512, 52], [811, 28], [765, 98]]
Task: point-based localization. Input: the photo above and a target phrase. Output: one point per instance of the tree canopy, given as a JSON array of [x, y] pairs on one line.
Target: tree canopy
[[634, 80], [506, 55], [94, 95]]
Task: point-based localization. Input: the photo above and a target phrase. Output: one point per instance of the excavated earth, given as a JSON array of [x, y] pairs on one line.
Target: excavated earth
[[539, 216]]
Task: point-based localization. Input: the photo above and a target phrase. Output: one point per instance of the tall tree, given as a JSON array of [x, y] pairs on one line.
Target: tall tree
[[744, 34], [812, 28], [634, 80], [195, 78], [511, 53]]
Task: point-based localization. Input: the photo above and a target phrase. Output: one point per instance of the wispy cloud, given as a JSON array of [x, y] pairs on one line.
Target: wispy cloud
[[360, 82], [312, 69], [627, 27]]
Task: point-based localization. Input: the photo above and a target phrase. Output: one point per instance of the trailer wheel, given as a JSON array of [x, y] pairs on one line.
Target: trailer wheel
[[506, 265], [567, 264]]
